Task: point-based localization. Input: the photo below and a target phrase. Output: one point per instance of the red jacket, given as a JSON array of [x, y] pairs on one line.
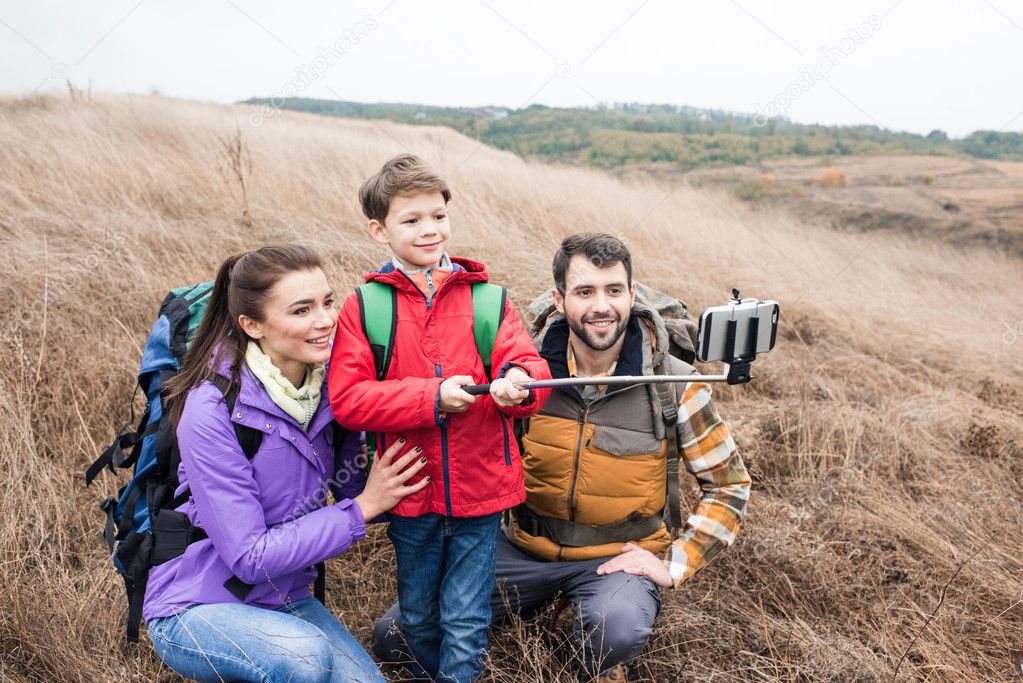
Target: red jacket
[[473, 458]]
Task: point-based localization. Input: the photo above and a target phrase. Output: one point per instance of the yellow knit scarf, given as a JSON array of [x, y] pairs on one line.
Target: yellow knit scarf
[[300, 403]]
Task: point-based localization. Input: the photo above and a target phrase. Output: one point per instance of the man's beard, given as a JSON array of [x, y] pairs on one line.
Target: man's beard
[[597, 345]]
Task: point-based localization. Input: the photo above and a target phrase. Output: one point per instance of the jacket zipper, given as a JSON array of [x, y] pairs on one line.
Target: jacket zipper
[[575, 463], [444, 455], [583, 415], [504, 428], [444, 428], [429, 303]]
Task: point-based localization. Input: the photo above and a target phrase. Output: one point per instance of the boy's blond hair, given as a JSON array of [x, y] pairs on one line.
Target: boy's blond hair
[[404, 175]]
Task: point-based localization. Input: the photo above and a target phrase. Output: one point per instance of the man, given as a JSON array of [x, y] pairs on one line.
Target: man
[[600, 524]]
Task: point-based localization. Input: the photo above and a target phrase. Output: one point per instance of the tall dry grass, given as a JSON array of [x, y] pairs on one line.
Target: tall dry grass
[[885, 433]]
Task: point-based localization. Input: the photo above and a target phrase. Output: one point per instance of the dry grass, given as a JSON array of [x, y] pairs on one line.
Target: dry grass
[[885, 434]]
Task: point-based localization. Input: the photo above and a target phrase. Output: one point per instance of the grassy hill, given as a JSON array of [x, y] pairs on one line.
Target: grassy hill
[[671, 136], [884, 434]]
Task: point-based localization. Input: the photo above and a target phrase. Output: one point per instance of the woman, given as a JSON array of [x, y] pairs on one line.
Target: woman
[[267, 329]]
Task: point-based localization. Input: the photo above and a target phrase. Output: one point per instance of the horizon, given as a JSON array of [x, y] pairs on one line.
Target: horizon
[[613, 106]]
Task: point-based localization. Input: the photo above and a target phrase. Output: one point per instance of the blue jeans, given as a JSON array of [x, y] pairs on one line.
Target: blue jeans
[[614, 612], [445, 578], [301, 642]]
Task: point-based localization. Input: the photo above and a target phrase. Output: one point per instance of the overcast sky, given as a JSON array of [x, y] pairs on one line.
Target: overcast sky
[[905, 65]]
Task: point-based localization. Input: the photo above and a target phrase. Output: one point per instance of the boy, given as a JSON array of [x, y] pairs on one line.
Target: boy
[[444, 536]]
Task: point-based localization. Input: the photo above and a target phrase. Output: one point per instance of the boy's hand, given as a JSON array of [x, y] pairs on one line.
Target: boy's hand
[[505, 393], [452, 398]]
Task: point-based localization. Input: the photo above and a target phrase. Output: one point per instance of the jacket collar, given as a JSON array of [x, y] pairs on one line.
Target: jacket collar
[[654, 332], [259, 405], [554, 349], [463, 271], [445, 264]]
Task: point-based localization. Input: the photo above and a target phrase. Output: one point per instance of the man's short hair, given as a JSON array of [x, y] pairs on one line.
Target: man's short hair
[[602, 250], [404, 175]]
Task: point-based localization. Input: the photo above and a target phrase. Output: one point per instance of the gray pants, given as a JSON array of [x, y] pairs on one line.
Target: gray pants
[[614, 612]]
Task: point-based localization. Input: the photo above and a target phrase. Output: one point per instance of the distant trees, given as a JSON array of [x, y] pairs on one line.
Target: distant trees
[[625, 133], [990, 144]]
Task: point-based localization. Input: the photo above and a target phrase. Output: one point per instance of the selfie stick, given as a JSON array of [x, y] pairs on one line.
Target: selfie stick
[[482, 389], [738, 370]]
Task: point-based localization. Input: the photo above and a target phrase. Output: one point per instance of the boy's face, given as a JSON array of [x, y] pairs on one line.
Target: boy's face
[[416, 229], [597, 302]]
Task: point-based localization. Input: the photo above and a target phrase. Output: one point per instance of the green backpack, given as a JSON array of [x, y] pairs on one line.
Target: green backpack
[[378, 311]]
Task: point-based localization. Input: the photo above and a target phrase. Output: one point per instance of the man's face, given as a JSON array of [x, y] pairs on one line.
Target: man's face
[[597, 302]]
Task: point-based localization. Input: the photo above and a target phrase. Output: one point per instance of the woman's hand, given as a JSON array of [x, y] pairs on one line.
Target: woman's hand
[[385, 485]]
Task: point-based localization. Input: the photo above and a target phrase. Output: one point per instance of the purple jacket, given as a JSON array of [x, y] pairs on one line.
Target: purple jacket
[[266, 518]]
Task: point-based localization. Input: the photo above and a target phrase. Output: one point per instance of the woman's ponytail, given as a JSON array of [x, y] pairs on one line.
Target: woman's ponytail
[[219, 334]]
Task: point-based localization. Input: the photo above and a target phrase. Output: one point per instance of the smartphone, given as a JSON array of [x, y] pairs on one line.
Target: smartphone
[[755, 329]]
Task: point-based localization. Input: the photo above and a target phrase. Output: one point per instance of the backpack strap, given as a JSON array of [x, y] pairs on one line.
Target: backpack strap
[[378, 313], [488, 303], [320, 584], [669, 413], [249, 438], [135, 577], [113, 456]]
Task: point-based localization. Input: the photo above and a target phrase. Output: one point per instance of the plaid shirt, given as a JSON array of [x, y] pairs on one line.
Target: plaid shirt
[[709, 454], [589, 392]]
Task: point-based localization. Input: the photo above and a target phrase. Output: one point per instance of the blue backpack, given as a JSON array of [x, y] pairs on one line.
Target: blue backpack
[[142, 527]]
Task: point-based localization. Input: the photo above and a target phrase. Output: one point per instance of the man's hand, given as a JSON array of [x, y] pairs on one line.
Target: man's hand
[[505, 393], [452, 398], [635, 560]]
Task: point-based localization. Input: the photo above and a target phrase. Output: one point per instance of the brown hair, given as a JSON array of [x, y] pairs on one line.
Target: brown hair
[[242, 287], [603, 251], [405, 174]]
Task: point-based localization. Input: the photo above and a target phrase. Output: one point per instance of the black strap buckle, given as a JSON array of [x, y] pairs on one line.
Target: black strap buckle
[[534, 526]]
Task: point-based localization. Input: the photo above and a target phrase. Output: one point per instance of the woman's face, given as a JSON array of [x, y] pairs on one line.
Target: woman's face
[[298, 321]]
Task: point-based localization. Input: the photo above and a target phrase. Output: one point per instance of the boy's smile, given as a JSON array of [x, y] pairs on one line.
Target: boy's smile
[[416, 229]]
